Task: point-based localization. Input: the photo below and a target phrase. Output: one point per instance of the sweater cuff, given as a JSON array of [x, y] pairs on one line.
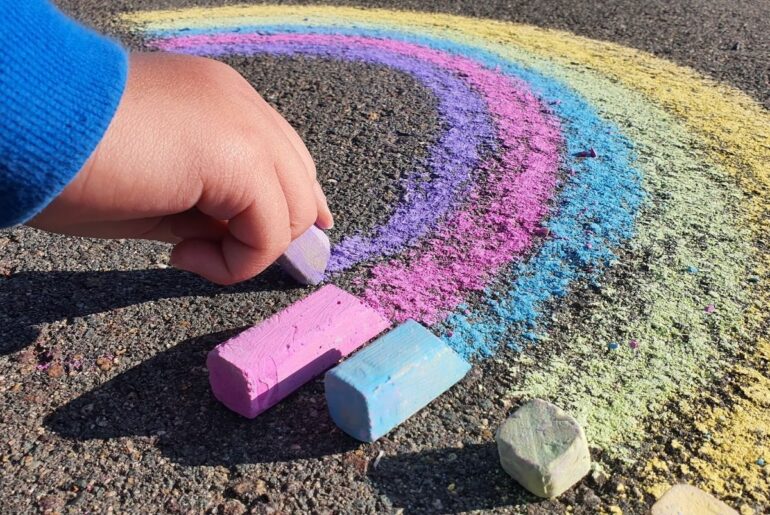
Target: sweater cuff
[[60, 84]]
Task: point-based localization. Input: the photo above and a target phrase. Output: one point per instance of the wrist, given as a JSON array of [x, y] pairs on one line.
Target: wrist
[[61, 84]]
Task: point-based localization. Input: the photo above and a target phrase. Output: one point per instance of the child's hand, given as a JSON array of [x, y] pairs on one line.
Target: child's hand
[[194, 156]]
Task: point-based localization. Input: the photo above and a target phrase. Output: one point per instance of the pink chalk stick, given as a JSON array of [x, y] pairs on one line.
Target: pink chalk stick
[[307, 256], [251, 372]]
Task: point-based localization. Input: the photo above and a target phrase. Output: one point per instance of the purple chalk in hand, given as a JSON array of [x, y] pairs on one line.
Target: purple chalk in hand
[[307, 256]]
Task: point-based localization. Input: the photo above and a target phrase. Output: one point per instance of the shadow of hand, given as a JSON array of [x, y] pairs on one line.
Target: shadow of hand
[[168, 396]]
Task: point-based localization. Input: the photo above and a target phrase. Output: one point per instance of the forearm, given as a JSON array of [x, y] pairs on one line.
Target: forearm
[[60, 84]]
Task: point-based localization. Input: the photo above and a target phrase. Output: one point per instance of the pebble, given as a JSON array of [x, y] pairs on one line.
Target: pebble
[[242, 488], [688, 499], [543, 448], [587, 153], [104, 363], [233, 507], [358, 463], [55, 371], [51, 503], [599, 477], [591, 500], [377, 459]]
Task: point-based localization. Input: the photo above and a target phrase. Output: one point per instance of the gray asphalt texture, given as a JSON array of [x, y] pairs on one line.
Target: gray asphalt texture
[[104, 398]]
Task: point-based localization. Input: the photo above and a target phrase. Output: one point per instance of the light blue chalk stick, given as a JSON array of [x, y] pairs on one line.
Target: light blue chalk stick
[[390, 380]]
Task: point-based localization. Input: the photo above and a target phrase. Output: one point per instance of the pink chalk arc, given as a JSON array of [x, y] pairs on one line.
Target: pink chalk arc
[[471, 246], [495, 223]]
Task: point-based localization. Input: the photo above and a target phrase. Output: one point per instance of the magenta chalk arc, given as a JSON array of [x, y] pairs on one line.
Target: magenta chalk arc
[[467, 247]]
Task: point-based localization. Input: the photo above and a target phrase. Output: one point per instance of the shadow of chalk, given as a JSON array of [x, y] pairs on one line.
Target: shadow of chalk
[[31, 298], [451, 481], [168, 396], [296, 380]]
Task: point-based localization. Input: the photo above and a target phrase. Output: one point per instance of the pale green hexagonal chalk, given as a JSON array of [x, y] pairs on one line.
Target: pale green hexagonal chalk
[[543, 448]]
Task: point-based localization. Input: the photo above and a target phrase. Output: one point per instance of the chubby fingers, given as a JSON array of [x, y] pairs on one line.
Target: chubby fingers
[[190, 224], [298, 190], [260, 192], [258, 229], [325, 220]]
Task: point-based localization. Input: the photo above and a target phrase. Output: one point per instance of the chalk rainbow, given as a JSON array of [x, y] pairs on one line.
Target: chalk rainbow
[[670, 216]]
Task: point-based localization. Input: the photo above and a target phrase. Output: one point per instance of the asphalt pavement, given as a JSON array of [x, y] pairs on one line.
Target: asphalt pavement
[[127, 422]]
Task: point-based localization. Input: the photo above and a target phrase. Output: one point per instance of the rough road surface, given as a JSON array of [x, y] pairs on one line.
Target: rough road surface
[[104, 398]]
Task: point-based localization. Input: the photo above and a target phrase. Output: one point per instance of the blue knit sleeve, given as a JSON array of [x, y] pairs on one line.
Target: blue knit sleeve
[[60, 84]]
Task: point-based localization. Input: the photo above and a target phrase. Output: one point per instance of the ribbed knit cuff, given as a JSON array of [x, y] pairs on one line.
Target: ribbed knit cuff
[[60, 84]]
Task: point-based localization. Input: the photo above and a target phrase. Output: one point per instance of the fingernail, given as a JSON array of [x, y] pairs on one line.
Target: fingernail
[[325, 226], [320, 194]]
